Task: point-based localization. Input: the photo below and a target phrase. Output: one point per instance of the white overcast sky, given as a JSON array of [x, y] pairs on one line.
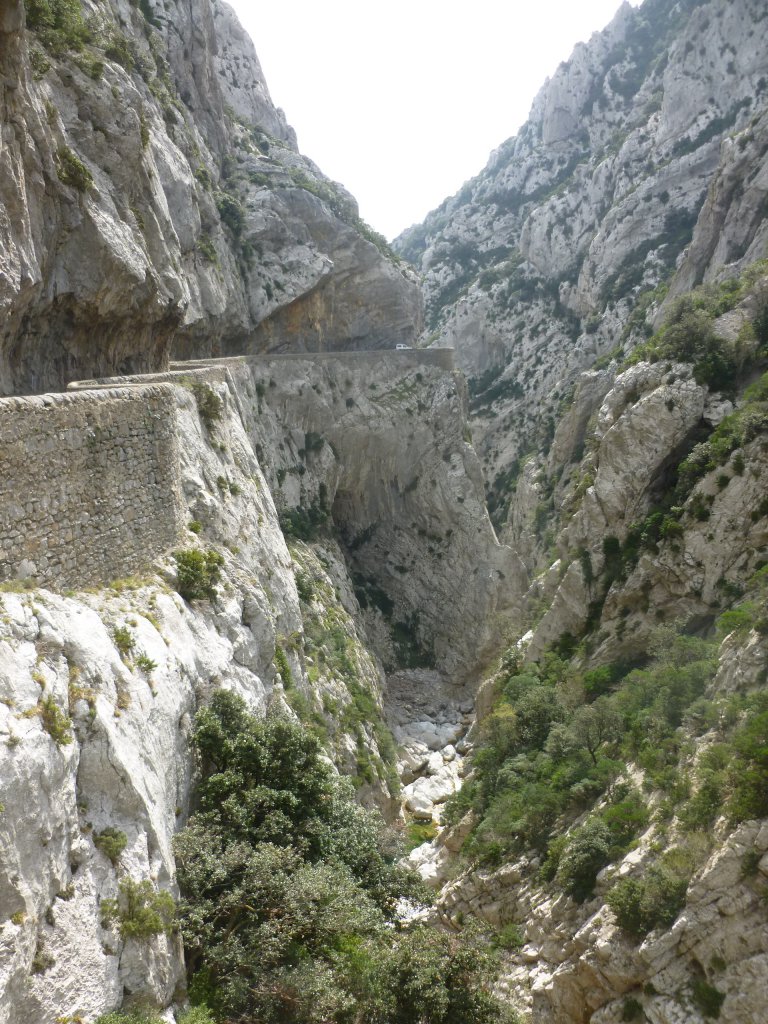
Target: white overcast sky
[[402, 102]]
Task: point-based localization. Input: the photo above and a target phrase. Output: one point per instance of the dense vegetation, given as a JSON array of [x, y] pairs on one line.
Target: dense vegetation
[[688, 333], [291, 894], [197, 573], [59, 23], [550, 774], [141, 1015]]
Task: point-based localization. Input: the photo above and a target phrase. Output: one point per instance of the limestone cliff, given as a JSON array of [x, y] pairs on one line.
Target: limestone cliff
[[630, 478], [572, 962], [153, 200], [642, 164]]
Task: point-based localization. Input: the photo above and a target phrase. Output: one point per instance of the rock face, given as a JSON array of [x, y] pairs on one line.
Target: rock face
[[642, 162], [377, 442], [153, 200], [646, 513], [97, 697], [639, 176]]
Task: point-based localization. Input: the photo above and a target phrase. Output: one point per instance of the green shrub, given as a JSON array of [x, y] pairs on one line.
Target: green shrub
[[732, 433], [707, 998], [206, 247], [124, 640], [203, 175], [72, 171], [197, 573], [59, 24], [197, 1015], [599, 681], [281, 663], [748, 776], [632, 1010], [304, 587], [111, 842], [654, 901], [133, 1016], [42, 960], [304, 523], [625, 819], [688, 336], [419, 832], [510, 937], [587, 851], [209, 404], [313, 442], [231, 211], [706, 804], [145, 663], [93, 68], [137, 1015], [750, 863], [39, 63], [541, 758], [120, 49], [140, 910], [55, 722], [290, 893], [625, 900]]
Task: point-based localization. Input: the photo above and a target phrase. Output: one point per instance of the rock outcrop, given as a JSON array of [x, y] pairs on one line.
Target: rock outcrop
[[153, 201]]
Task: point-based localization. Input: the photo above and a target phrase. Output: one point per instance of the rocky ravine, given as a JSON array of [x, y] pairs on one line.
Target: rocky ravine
[[359, 560], [99, 688], [153, 199]]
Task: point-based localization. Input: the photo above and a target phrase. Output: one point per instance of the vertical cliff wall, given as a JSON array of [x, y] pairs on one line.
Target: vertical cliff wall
[[153, 199]]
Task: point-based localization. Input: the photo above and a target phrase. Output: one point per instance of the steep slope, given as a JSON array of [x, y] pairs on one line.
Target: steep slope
[[153, 200], [651, 908], [613, 829], [612, 826], [642, 165]]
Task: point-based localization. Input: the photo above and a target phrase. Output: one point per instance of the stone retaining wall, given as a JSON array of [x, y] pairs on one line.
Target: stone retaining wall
[[89, 484]]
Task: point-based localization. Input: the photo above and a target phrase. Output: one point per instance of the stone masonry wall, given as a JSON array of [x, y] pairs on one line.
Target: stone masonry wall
[[89, 484]]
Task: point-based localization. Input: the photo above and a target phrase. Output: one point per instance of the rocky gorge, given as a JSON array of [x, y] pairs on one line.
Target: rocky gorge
[[520, 604]]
